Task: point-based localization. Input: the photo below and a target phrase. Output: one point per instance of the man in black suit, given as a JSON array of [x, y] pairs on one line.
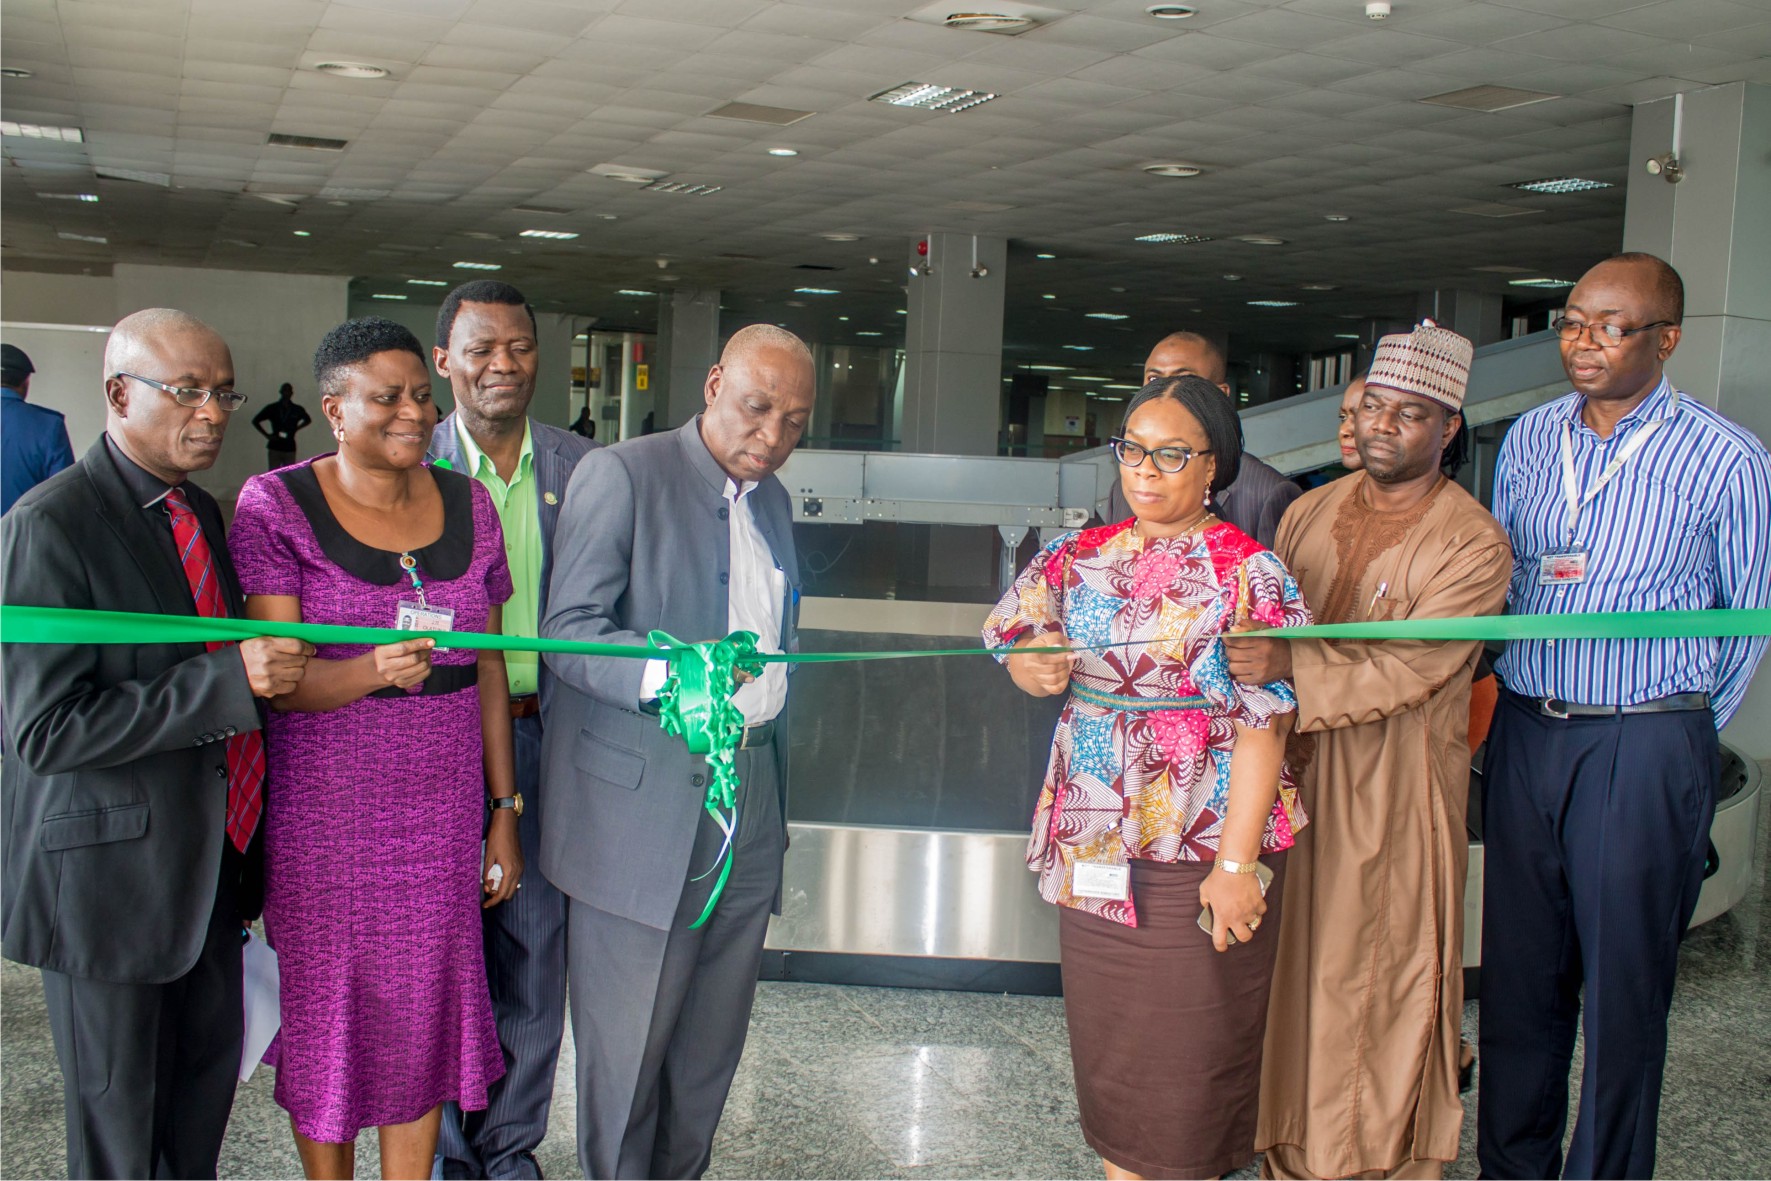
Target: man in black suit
[[1260, 494], [486, 349], [133, 774]]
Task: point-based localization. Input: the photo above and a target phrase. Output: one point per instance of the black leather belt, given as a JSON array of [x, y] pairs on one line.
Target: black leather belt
[[1555, 707], [760, 734], [444, 678]]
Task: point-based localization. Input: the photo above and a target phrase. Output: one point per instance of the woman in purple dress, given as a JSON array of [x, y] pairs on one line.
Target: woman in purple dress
[[380, 765]]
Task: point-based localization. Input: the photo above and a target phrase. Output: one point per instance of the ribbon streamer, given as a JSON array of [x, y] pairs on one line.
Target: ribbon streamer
[[695, 701]]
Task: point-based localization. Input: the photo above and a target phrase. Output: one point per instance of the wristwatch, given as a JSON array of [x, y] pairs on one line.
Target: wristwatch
[[513, 801], [1228, 866]]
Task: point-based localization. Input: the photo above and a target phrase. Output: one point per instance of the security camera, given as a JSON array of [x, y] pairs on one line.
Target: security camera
[[1666, 167], [1377, 10]]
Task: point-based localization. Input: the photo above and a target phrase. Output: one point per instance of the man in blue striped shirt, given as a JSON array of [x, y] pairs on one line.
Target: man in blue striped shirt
[[1622, 496]]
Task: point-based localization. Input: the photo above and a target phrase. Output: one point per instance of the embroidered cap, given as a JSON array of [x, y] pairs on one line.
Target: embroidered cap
[[1431, 361]]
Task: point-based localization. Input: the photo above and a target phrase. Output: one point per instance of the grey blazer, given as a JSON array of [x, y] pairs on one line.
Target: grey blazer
[[643, 544], [115, 778], [557, 453]]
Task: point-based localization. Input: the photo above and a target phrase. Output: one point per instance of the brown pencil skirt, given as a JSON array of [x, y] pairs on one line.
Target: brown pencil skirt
[[1165, 1031]]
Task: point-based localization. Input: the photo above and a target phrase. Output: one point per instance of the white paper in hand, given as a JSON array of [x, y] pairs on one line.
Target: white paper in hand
[[263, 998]]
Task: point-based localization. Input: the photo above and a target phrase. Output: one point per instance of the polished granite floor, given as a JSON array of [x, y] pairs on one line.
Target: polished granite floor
[[841, 1082]]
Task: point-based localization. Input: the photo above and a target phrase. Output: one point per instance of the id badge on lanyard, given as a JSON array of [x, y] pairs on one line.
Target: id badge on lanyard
[[420, 616], [1568, 564], [1101, 870]]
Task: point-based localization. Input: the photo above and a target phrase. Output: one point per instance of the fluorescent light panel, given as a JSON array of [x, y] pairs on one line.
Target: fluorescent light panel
[[1272, 303], [1163, 238], [1562, 184], [479, 266], [66, 135], [89, 198], [1540, 282], [558, 235], [634, 291], [928, 96], [428, 282], [1105, 316], [816, 291]]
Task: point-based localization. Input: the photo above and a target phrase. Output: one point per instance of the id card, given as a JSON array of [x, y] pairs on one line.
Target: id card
[[422, 617], [1101, 879], [1562, 566]]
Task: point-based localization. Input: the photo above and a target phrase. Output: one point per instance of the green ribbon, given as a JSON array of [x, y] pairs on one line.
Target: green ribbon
[[695, 701]]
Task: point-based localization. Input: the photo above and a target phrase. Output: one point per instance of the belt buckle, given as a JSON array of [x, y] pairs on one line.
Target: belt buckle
[[1548, 706]]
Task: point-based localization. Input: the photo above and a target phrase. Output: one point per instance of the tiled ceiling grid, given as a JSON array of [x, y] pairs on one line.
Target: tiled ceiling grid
[[1297, 110]]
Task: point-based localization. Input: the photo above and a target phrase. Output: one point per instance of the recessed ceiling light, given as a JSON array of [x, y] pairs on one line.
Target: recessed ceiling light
[[1049, 368], [634, 291], [66, 135], [351, 70], [428, 282], [902, 312], [558, 235], [627, 173], [1171, 12], [1045, 256], [1346, 336], [1179, 168], [101, 240], [1335, 217], [683, 187], [1232, 278], [1261, 240], [782, 152], [1119, 385], [926, 96], [479, 266], [1540, 282], [1184, 239], [1319, 286], [88, 198], [1089, 377], [988, 22], [302, 233], [1048, 295], [843, 318], [13, 72], [1106, 316], [1272, 303], [840, 237], [816, 291], [1562, 184], [386, 295], [869, 334], [1080, 348]]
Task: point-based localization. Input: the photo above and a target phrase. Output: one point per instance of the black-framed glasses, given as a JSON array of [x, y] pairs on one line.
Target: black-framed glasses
[[1606, 336], [194, 398], [1166, 459]]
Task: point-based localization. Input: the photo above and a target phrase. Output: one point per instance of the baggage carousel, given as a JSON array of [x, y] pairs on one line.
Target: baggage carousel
[[911, 784]]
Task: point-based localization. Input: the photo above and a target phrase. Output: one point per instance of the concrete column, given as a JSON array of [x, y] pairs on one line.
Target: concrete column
[[1715, 228], [1468, 313], [688, 346], [952, 399]]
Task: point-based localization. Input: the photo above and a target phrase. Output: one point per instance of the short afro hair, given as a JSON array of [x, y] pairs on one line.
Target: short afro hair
[[355, 341], [479, 291], [1217, 417]]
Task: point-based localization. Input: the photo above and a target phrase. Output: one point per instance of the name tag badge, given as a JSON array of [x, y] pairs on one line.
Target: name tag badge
[[423, 617], [1562, 566], [1100, 879]]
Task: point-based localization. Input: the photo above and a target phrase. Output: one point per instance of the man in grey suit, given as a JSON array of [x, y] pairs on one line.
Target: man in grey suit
[[133, 773], [487, 351], [688, 531]]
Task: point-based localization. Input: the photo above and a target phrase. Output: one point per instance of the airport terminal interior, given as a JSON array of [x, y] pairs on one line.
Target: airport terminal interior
[[980, 215]]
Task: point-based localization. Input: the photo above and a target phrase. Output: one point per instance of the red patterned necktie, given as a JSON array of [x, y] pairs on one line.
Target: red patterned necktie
[[245, 752]]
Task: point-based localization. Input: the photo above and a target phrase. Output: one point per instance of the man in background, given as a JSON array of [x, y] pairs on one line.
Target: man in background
[[278, 423], [33, 439]]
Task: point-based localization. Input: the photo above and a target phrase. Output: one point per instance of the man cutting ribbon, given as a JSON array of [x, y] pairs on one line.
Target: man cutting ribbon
[[686, 532], [1622, 496]]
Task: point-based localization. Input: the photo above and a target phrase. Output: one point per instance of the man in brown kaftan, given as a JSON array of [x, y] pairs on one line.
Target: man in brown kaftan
[[1362, 1035]]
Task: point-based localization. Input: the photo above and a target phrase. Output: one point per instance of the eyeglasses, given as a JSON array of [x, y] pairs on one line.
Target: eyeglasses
[[1167, 459], [1606, 336], [194, 398]]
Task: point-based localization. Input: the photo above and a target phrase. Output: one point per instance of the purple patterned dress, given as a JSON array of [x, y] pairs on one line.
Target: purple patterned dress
[[373, 822]]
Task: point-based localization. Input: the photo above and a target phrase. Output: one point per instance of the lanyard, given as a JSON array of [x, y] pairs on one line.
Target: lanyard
[[1570, 486]]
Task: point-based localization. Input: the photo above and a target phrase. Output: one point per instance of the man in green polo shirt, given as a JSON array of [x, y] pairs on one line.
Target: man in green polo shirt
[[488, 352]]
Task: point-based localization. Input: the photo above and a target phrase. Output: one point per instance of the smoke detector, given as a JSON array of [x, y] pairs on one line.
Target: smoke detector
[[1171, 12], [1377, 10], [1173, 168]]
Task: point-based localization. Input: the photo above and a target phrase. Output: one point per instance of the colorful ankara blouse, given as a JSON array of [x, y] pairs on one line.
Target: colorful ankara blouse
[[1156, 781]]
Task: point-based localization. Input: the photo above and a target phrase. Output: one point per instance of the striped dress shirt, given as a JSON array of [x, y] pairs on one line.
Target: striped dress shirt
[[1686, 525]]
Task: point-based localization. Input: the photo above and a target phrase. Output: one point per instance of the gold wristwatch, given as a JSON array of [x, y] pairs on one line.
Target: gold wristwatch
[[1228, 866], [514, 802]]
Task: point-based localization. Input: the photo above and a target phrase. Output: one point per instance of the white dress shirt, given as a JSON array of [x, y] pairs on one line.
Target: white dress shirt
[[756, 592]]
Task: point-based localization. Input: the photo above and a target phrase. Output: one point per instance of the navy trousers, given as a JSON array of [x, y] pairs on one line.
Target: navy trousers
[[1594, 833], [526, 971]]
